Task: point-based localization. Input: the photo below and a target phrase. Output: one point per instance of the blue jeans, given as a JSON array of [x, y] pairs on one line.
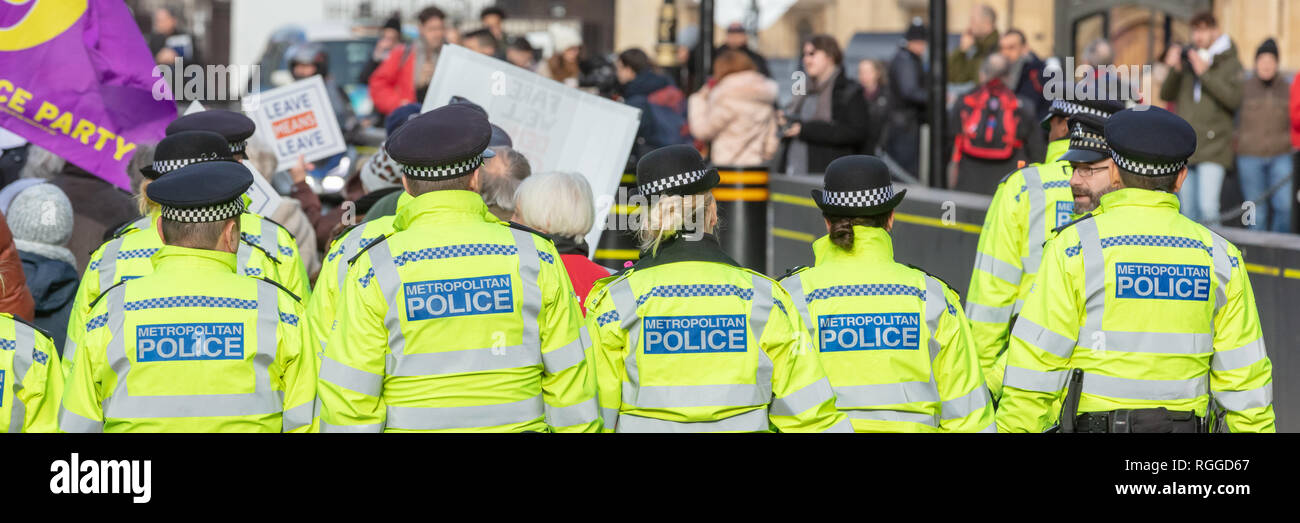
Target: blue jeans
[[1258, 174], [1199, 197]]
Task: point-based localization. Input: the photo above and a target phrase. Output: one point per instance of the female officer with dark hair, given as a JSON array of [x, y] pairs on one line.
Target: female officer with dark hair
[[893, 339], [673, 354]]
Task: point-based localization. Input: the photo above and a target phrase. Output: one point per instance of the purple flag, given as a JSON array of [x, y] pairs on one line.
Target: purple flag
[[76, 78]]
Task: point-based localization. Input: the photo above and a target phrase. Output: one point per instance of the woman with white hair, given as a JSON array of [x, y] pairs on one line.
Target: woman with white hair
[[686, 340], [560, 204]]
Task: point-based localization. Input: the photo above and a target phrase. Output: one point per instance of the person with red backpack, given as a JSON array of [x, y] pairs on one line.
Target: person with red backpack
[[993, 131]]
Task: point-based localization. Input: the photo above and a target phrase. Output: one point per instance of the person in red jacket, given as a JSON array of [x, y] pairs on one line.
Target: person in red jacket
[[404, 76], [560, 205], [15, 299]]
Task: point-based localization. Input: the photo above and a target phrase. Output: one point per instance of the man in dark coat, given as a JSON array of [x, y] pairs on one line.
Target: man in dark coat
[[910, 98]]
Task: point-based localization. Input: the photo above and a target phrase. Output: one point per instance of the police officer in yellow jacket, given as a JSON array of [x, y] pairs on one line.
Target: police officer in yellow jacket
[[1139, 317], [193, 346], [1028, 204], [129, 254], [260, 235], [455, 321], [334, 269], [893, 339], [686, 340], [31, 381]]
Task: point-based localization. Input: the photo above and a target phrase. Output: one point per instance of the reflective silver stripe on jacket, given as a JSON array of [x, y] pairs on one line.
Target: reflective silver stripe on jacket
[[351, 429], [801, 400], [1246, 399], [1146, 390], [351, 244], [882, 394], [72, 422], [972, 402], [794, 286], [1050, 382], [989, 314], [438, 418], [935, 303], [108, 264], [271, 240], [24, 344], [1094, 280], [752, 421], [1245, 355], [350, 378], [1037, 217], [893, 415], [759, 311], [381, 260], [999, 269], [1222, 270], [263, 400]]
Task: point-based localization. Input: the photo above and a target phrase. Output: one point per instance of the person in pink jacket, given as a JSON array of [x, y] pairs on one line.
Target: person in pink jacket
[[735, 113]]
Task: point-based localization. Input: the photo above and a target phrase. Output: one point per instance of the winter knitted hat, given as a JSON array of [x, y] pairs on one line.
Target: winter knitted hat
[[40, 217]]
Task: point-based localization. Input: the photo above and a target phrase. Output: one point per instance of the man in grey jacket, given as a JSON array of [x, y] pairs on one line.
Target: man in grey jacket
[[1205, 84]]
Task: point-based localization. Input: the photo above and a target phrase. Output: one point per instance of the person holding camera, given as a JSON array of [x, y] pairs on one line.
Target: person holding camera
[[1205, 83], [827, 118]]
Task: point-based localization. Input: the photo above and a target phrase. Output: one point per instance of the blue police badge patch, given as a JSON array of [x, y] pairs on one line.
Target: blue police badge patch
[[1063, 211], [695, 334], [189, 342], [427, 300], [874, 331], [1160, 281]]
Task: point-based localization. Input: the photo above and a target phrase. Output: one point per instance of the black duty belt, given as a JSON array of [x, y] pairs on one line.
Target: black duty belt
[[1157, 421]]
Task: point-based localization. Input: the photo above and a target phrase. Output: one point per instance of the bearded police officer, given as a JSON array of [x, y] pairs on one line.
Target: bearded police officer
[[261, 238], [455, 321], [193, 346], [686, 340], [893, 339], [1140, 319], [130, 253], [1028, 204]]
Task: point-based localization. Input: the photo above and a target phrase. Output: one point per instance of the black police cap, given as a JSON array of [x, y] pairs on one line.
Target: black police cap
[[185, 148], [674, 170], [447, 142], [1087, 139], [857, 185], [1087, 101], [235, 127], [1150, 141], [202, 192]]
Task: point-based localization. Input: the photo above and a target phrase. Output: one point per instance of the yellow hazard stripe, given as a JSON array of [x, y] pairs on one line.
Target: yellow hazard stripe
[[742, 177], [793, 200], [740, 195], [1269, 270], [629, 178], [623, 209], [618, 254], [793, 235]]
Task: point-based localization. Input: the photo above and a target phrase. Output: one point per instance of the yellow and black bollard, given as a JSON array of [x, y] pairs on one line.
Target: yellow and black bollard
[[742, 214], [618, 243]]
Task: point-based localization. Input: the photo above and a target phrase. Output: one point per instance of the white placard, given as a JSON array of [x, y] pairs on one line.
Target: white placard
[[297, 119], [194, 107], [558, 128], [264, 198]]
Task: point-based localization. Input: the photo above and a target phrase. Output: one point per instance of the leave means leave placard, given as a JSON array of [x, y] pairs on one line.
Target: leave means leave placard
[[297, 119]]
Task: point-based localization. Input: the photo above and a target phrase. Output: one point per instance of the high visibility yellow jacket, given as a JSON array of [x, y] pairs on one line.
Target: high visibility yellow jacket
[[31, 380], [674, 354], [193, 347], [893, 340], [456, 322], [265, 250], [1028, 204], [1155, 309], [334, 269]]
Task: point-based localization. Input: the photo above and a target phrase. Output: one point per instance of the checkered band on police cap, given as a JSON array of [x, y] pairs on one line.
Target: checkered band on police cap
[[166, 166], [676, 180], [1083, 137], [1071, 109], [452, 170], [238, 147], [214, 213], [1146, 169], [867, 198]]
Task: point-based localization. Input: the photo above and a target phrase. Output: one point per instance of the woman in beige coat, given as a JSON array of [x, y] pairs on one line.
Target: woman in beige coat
[[735, 112]]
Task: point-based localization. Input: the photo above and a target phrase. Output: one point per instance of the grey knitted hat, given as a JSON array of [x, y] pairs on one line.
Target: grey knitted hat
[[40, 217]]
